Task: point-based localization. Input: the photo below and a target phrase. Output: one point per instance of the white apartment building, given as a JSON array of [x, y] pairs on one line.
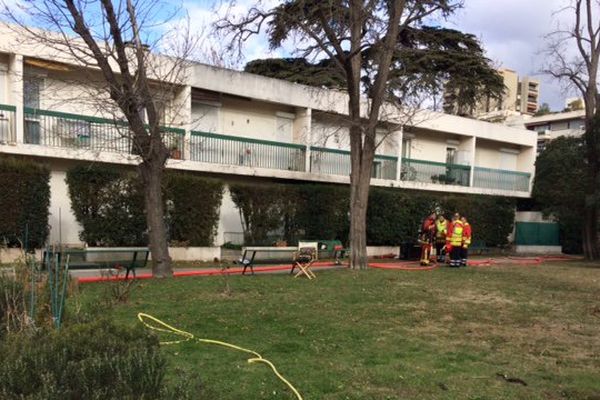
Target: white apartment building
[[551, 126], [521, 97], [234, 125]]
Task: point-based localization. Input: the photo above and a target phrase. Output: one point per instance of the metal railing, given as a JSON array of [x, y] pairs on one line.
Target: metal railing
[[337, 162], [58, 129], [435, 172], [7, 124], [248, 152], [488, 178], [74, 131]]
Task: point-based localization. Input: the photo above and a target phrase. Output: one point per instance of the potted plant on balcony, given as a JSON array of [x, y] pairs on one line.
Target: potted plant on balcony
[[175, 150]]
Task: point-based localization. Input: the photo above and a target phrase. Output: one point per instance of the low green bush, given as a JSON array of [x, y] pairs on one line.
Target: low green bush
[[94, 360]]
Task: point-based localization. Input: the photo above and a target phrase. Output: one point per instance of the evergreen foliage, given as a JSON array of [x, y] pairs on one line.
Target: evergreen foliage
[[109, 204], [25, 201]]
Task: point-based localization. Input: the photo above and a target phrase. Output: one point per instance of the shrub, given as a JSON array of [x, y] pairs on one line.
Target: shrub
[[261, 209], [26, 194], [94, 360], [109, 204], [195, 208], [319, 211]]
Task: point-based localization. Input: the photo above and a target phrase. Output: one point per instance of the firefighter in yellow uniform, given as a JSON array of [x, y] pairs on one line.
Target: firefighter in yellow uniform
[[454, 240], [441, 231]]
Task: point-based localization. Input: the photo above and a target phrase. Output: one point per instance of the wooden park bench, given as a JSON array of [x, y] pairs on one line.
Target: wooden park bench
[[128, 258], [249, 255]]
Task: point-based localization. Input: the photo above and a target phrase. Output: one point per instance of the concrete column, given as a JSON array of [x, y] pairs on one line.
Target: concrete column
[[400, 139], [15, 94], [303, 132], [182, 110], [474, 149]]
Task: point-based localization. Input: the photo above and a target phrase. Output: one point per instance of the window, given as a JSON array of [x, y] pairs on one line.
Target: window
[[283, 129], [205, 117], [406, 146], [508, 161], [31, 99], [31, 92], [450, 155]]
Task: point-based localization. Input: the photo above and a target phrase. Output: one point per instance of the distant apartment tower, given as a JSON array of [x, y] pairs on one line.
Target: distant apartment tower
[[521, 96]]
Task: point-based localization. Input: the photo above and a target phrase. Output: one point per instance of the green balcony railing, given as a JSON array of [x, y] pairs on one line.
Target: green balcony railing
[[74, 131], [7, 124], [500, 179], [337, 162], [233, 150], [434, 172]]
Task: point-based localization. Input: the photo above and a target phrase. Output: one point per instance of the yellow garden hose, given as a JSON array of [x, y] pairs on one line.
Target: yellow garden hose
[[160, 326]]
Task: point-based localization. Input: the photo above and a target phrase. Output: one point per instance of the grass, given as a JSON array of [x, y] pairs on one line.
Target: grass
[[445, 334]]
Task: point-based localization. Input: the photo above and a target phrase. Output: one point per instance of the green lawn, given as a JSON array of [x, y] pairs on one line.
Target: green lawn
[[377, 334]]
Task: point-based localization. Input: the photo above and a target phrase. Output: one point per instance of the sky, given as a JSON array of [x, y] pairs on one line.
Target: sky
[[512, 32]]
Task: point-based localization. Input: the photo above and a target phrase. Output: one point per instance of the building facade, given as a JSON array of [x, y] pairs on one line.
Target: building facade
[[521, 97], [236, 125], [551, 126]]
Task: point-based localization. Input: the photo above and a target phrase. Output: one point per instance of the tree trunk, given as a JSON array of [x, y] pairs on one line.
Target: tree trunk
[[359, 200], [590, 232], [151, 174], [362, 155]]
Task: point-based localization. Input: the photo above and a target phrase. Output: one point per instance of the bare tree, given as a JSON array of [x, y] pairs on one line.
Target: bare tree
[[119, 43], [574, 54], [363, 38]]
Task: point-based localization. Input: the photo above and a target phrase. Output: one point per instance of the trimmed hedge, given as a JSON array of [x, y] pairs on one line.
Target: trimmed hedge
[[319, 211], [194, 208], [292, 211], [25, 201], [109, 204]]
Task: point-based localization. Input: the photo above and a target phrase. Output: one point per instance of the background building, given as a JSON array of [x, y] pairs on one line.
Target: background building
[[521, 97]]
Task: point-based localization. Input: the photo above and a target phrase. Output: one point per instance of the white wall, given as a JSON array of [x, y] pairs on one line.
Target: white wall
[[63, 224], [229, 219]]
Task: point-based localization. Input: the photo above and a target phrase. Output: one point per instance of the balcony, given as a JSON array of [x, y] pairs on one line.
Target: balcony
[[337, 162], [434, 172], [500, 179], [249, 152], [80, 132]]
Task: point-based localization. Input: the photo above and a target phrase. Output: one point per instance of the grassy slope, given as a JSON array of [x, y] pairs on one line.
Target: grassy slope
[[388, 334]]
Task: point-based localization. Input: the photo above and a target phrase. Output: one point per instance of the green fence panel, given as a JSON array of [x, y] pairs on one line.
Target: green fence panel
[[537, 234], [337, 162], [233, 150], [435, 172], [500, 179], [84, 132]]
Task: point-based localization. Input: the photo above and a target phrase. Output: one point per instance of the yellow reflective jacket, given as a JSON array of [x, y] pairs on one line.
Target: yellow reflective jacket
[[441, 229], [455, 234]]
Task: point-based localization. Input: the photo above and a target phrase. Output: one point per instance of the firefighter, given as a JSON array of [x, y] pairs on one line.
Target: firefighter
[[466, 241], [426, 238], [441, 231], [454, 240]]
